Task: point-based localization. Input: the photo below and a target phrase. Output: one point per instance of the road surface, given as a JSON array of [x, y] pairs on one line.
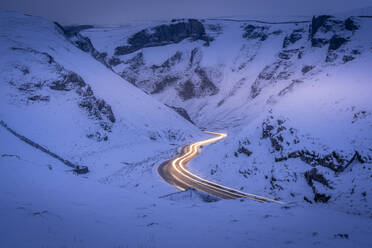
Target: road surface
[[175, 173]]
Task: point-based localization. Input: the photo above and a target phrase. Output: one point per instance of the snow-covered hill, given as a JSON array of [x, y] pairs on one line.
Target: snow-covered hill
[[295, 97], [63, 98]]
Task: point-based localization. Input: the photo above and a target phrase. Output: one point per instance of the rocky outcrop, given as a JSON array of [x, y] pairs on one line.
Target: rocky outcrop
[[67, 81], [295, 36], [182, 112], [350, 24], [255, 32], [186, 90], [313, 175], [164, 35], [279, 70], [81, 42], [336, 42], [197, 86], [283, 137], [206, 85], [319, 22]]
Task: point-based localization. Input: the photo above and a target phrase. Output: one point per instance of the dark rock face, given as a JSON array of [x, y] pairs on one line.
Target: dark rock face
[[318, 22], [313, 175], [244, 150], [96, 108], [168, 64], [318, 42], [73, 29], [164, 35], [347, 58], [265, 75], [255, 32], [159, 86], [197, 87], [336, 42], [86, 45], [350, 24], [318, 197], [278, 70], [114, 61], [182, 112], [81, 42], [39, 98], [187, 90], [206, 85], [306, 69], [295, 36]]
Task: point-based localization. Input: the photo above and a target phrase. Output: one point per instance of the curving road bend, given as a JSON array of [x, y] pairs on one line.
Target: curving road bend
[[175, 173]]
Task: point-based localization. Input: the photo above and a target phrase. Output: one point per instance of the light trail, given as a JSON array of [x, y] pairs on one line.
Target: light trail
[[175, 173]]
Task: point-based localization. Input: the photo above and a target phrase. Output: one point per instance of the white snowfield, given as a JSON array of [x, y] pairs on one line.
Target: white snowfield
[[65, 100]]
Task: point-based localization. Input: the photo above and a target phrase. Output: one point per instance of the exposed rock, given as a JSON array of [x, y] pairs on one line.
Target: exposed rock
[[182, 112], [136, 62], [40, 98], [350, 24], [307, 68], [72, 33], [331, 56], [313, 175], [319, 42], [347, 58], [341, 235], [266, 74], [192, 57], [113, 61], [244, 150], [333, 161], [67, 81], [336, 42], [164, 35], [307, 200], [81, 170], [318, 22], [321, 198], [293, 37], [73, 29], [206, 85], [187, 90], [159, 86], [360, 115], [255, 32]]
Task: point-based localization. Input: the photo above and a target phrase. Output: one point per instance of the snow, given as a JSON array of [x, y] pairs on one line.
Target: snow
[[121, 203], [53, 208]]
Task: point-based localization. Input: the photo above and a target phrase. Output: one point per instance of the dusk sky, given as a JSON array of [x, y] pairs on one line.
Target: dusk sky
[[122, 11]]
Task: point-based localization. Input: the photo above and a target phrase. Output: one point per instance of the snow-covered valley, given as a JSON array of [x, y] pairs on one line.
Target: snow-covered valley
[[294, 98]]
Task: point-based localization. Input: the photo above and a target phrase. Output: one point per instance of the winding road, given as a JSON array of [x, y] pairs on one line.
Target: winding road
[[175, 173]]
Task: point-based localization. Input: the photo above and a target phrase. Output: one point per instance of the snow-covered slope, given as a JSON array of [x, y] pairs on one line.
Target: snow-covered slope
[[295, 94], [42, 207], [293, 97], [62, 98]]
